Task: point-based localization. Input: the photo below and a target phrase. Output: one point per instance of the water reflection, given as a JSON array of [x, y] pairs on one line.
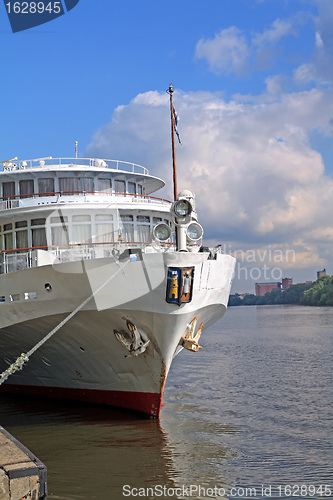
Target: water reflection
[[92, 452]]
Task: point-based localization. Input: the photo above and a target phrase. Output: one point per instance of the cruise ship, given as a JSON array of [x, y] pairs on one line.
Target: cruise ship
[[117, 279]]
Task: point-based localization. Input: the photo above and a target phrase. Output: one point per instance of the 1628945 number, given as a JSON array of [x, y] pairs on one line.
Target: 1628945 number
[[33, 7]]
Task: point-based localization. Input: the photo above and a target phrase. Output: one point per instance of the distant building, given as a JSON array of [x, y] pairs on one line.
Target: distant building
[[286, 283], [262, 288], [321, 273]]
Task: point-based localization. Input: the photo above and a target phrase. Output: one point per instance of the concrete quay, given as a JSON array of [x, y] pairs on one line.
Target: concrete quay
[[22, 475]]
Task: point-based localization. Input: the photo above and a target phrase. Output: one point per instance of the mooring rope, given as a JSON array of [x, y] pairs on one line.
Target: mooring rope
[[24, 358]]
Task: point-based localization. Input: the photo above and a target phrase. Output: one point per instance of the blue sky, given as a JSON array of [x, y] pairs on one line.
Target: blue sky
[[253, 90]]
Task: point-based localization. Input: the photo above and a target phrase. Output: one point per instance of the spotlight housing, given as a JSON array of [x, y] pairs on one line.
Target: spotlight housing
[[194, 231], [182, 208], [162, 232]]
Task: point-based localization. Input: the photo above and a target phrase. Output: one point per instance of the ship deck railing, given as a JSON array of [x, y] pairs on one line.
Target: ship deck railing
[[33, 199], [26, 258], [123, 166]]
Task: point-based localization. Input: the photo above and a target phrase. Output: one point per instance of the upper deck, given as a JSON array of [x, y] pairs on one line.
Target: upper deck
[[45, 180]]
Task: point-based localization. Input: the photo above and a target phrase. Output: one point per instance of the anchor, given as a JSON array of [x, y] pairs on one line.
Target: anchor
[[189, 341], [137, 345]]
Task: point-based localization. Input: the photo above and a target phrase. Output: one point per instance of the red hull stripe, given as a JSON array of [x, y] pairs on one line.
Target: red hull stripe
[[145, 402]]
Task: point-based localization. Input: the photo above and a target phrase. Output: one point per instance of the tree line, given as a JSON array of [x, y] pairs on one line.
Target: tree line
[[319, 293]]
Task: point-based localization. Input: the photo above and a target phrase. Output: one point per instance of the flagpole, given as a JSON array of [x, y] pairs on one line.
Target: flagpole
[[175, 192]]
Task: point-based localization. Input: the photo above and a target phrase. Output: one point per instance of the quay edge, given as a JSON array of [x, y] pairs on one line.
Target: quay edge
[[22, 474]]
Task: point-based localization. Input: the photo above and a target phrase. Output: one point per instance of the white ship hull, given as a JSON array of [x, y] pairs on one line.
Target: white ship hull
[[84, 360]]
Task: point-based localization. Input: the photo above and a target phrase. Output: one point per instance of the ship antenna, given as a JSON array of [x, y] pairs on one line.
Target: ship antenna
[[170, 92], [76, 143]]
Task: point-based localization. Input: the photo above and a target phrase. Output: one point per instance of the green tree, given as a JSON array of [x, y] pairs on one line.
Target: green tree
[[320, 293]]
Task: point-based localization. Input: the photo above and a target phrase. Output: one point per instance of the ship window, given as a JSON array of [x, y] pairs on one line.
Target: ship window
[[30, 295], [143, 233], [156, 220], [140, 189], [26, 187], [127, 229], [131, 187], [38, 222], [38, 234], [119, 186], [59, 220], [143, 218], [8, 237], [99, 217], [46, 186], [104, 185], [70, 185], [22, 238], [38, 237], [22, 223], [81, 218], [86, 184], [2, 298], [8, 241], [81, 233], [59, 235], [104, 232], [8, 189], [143, 228]]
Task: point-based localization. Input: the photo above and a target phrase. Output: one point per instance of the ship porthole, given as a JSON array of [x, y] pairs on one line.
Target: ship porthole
[[48, 287]]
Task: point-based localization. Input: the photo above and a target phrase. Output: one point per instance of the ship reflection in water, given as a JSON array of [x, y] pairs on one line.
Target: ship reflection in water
[[253, 409], [94, 453]]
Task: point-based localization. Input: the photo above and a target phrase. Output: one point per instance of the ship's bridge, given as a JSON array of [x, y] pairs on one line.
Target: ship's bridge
[[47, 180]]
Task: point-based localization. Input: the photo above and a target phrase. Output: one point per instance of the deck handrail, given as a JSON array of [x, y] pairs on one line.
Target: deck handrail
[[83, 193], [75, 162], [71, 245]]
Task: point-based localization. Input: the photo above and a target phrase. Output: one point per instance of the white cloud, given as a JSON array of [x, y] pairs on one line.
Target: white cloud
[[278, 29], [227, 52], [305, 73], [319, 41], [231, 52], [251, 166]]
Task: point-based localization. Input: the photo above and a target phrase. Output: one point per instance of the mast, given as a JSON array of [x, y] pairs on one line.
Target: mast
[[175, 191]]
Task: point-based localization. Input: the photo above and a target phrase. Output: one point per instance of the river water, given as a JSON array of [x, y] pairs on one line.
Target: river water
[[248, 416]]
